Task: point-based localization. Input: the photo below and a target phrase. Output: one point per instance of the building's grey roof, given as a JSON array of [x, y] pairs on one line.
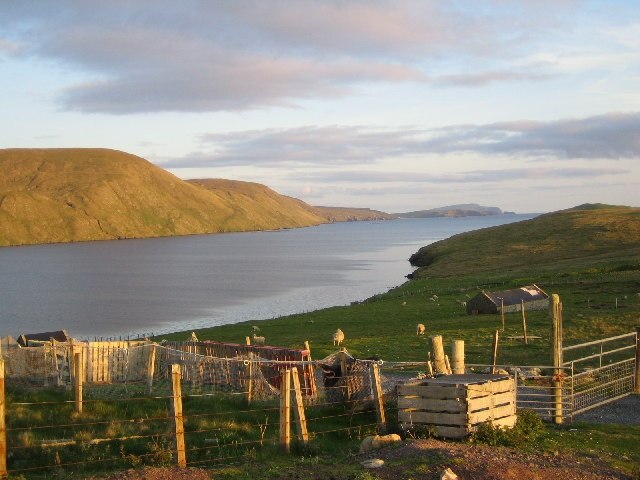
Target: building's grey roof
[[513, 297]]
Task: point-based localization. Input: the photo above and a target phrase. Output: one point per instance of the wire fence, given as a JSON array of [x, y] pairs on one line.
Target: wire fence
[[231, 410]]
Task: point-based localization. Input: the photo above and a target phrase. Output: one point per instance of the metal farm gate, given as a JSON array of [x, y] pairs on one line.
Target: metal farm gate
[[605, 372]]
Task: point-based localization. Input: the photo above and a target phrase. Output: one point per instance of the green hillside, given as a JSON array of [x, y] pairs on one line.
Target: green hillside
[[588, 235], [64, 195]]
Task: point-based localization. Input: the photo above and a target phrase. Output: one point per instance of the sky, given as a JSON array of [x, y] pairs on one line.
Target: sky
[[530, 105]]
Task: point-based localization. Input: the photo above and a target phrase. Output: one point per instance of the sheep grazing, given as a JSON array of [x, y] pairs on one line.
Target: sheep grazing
[[258, 340], [255, 328], [338, 337], [420, 329]]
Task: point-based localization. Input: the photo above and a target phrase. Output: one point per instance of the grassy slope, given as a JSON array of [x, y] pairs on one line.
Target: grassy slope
[[61, 195], [560, 240]]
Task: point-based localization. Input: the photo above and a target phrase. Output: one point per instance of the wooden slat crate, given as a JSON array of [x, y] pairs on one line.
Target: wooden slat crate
[[454, 405]]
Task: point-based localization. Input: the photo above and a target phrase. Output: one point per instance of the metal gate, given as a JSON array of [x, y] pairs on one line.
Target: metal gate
[[605, 373]]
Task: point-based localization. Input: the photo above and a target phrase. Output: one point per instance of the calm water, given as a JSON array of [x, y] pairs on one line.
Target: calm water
[[180, 283]]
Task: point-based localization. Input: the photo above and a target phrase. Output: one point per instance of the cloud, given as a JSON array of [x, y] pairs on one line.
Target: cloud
[[150, 56], [610, 136], [473, 176]]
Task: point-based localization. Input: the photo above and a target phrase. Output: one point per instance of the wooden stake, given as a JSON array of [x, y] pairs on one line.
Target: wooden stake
[[447, 364], [636, 385], [374, 373], [346, 392], [285, 410], [437, 354], [524, 322], [151, 368], [502, 312], [247, 340], [77, 374], [3, 426], [300, 417], [555, 307], [249, 383], [494, 352], [457, 357], [176, 407], [429, 368], [307, 346]]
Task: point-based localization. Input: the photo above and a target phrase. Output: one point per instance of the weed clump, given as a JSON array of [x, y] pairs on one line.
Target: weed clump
[[527, 430]]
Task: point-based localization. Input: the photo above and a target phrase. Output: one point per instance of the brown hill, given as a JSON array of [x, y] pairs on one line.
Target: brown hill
[[63, 195]]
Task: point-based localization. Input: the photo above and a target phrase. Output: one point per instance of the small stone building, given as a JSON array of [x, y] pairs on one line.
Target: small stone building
[[492, 302]]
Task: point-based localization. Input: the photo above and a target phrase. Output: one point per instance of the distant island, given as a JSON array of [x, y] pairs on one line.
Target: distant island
[[81, 194], [463, 210]]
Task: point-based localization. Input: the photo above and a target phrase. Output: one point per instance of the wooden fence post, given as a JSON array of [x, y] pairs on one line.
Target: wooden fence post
[[151, 368], [556, 350], [3, 426], [457, 357], [300, 417], [248, 370], [502, 312], [437, 350], [636, 386], [524, 322], [374, 373], [176, 405], [285, 410], [346, 392], [78, 379], [247, 340], [494, 351]]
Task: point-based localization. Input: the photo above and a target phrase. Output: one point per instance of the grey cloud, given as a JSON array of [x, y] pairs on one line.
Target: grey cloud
[[149, 56], [474, 176], [488, 77], [611, 136]]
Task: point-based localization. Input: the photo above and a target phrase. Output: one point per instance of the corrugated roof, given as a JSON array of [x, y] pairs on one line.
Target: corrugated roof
[[512, 297]]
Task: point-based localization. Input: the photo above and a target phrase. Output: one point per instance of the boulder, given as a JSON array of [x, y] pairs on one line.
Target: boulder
[[373, 463], [374, 442], [447, 474]]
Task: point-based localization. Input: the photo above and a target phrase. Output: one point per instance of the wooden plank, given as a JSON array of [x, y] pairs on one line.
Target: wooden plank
[[490, 388], [77, 374], [556, 351], [3, 425], [377, 397], [480, 403], [177, 415], [455, 419], [300, 417], [451, 432], [285, 410], [433, 404], [491, 414], [151, 368], [431, 391]]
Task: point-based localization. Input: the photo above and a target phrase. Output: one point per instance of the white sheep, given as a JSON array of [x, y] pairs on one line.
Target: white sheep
[[258, 340], [420, 329], [255, 328], [338, 337]]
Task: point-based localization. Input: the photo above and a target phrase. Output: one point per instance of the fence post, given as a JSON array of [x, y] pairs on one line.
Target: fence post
[[494, 351], [285, 410], [301, 418], [78, 378], [374, 373], [457, 356], [247, 340], [438, 354], [524, 322], [556, 349], [176, 405], [3, 427], [346, 392], [502, 312], [636, 386], [249, 375], [151, 368]]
